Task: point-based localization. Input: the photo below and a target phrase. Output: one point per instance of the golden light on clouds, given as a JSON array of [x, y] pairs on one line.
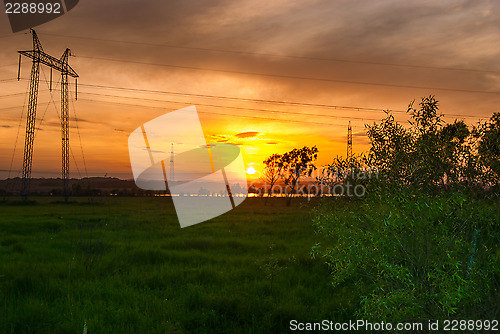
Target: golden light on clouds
[[268, 80]]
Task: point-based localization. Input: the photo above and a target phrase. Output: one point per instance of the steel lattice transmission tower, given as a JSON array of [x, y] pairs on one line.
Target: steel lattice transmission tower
[[39, 56], [349, 142], [172, 166]]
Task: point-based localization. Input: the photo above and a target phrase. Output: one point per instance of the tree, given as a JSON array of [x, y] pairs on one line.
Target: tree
[[489, 148], [295, 164], [428, 153], [456, 153], [272, 172], [354, 172], [391, 146], [414, 251]]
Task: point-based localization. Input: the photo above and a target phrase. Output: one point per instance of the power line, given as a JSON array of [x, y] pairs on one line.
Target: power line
[[297, 104], [300, 104], [48, 104], [80, 140], [287, 103], [8, 36], [8, 65], [18, 107], [278, 56], [236, 108], [17, 137], [231, 115], [221, 114], [6, 80], [297, 77], [17, 94], [60, 116], [13, 94]]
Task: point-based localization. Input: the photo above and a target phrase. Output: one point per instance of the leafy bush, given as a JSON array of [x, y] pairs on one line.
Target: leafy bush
[[413, 256], [430, 154]]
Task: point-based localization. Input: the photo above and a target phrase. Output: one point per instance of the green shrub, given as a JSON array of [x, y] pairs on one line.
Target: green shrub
[[413, 256]]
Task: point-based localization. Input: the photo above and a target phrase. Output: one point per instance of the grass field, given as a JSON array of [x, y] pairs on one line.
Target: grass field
[[123, 265]]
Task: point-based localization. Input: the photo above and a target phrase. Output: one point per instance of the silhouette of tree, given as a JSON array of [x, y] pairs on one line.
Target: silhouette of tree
[[489, 148], [272, 173], [295, 164]]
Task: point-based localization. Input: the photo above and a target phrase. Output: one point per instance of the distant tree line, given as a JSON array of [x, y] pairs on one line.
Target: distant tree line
[[427, 154]]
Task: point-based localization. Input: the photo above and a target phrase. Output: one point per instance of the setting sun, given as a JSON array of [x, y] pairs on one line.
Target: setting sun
[[251, 170]]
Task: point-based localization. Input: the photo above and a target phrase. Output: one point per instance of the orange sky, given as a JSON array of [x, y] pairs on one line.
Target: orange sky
[[264, 75]]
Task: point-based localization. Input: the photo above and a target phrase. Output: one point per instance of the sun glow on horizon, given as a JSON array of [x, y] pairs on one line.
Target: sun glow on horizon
[[251, 170]]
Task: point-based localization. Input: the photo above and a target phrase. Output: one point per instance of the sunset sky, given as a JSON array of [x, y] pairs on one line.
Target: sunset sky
[[269, 76]]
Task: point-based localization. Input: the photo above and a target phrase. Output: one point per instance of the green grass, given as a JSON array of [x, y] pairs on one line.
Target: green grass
[[123, 265]]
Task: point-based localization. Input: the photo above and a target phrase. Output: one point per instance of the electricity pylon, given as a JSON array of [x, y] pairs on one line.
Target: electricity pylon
[[61, 65], [349, 142], [172, 170]]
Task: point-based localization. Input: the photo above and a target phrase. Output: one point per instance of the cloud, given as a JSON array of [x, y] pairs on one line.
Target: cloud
[[83, 120], [219, 138], [353, 42], [248, 134], [154, 151], [359, 134], [6, 126]]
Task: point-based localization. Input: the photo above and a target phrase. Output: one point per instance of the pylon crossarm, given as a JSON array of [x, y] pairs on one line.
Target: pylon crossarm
[[50, 61]]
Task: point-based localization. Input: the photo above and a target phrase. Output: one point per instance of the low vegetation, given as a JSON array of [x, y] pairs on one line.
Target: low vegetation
[[424, 243], [123, 265]]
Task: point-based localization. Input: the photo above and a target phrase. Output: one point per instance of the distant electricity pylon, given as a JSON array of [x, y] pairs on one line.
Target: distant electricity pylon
[[349, 142], [172, 170], [61, 65]]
